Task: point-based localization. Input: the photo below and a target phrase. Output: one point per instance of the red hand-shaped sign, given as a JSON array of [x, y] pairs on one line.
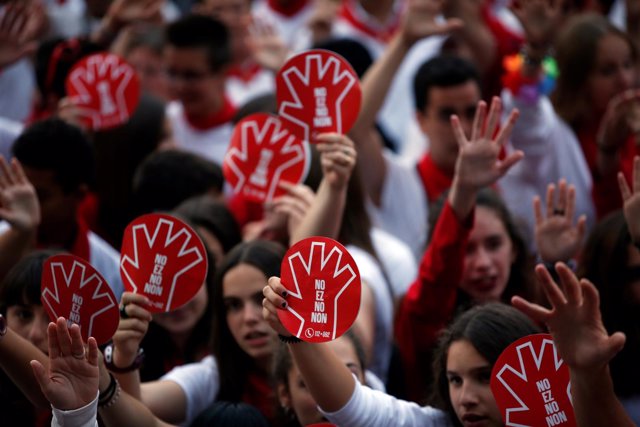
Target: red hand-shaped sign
[[324, 290], [263, 153], [163, 259], [73, 289], [317, 92], [105, 90], [530, 383]]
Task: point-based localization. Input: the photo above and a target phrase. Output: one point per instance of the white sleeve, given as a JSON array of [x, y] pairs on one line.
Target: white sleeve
[[81, 417], [369, 407], [200, 382]]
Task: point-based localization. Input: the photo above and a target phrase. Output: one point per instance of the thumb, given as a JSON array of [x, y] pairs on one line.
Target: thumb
[[40, 373], [615, 343]]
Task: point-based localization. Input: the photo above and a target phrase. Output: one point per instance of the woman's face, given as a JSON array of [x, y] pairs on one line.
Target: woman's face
[[296, 396], [490, 253], [242, 292], [468, 374], [181, 322], [613, 71], [30, 321]]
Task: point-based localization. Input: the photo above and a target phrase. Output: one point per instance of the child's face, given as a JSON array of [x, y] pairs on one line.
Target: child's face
[[242, 292], [468, 374], [30, 321]]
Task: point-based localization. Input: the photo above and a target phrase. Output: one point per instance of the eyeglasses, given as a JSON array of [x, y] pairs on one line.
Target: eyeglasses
[[187, 76]]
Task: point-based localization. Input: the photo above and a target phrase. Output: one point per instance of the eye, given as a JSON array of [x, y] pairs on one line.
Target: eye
[[257, 298], [454, 380], [232, 305], [484, 376], [494, 243]]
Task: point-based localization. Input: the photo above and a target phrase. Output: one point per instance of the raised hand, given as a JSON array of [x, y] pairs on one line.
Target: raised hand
[[274, 300], [20, 26], [337, 157], [126, 12], [133, 326], [18, 201], [620, 120], [269, 50], [420, 21], [295, 204], [557, 237], [574, 320], [631, 199], [540, 20], [478, 164], [71, 380]]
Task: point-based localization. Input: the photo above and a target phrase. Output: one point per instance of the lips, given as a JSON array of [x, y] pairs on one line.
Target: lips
[[256, 338], [485, 284], [474, 420]]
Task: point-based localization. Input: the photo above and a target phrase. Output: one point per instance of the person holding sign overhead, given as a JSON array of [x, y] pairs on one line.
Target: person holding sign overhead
[[466, 354]]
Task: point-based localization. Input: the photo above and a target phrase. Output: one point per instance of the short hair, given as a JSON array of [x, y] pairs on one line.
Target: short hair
[[55, 145], [167, 178], [352, 50], [441, 71], [198, 31], [21, 285]]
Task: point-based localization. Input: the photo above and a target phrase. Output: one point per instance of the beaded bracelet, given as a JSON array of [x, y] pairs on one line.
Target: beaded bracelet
[[289, 340], [529, 89], [111, 394]]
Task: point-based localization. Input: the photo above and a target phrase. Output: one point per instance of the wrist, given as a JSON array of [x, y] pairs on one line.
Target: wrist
[[134, 364]]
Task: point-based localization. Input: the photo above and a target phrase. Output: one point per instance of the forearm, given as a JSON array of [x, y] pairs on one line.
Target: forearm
[[462, 199], [594, 400], [377, 81], [16, 353], [324, 217], [333, 391]]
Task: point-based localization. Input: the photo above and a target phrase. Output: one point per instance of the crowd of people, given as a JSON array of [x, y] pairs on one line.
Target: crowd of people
[[488, 190]]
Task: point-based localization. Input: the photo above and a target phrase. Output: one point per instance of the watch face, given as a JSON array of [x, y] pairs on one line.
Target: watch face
[[3, 325]]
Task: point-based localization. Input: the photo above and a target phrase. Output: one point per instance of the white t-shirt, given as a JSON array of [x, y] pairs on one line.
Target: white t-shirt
[[81, 417], [210, 143], [399, 264], [369, 407], [200, 382], [403, 210], [9, 132], [241, 90], [292, 29]]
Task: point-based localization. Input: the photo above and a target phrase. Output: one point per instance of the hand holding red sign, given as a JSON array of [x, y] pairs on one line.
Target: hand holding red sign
[[262, 154], [163, 259], [73, 289], [317, 92], [530, 383], [323, 283], [105, 90]]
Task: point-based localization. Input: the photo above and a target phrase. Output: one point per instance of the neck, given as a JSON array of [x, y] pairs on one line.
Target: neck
[[180, 341], [379, 9], [62, 235]]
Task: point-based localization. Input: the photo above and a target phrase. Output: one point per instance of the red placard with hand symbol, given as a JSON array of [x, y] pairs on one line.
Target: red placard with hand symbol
[[530, 383], [263, 153], [317, 92], [73, 289], [105, 90], [163, 259], [323, 282]]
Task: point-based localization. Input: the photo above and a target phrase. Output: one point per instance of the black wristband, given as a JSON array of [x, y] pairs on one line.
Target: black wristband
[[289, 340], [107, 395], [108, 361]]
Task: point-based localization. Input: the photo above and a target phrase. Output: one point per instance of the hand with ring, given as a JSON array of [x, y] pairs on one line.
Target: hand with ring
[[71, 379], [558, 238], [133, 326]]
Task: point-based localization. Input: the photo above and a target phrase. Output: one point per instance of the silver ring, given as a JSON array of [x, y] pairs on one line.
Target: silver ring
[[79, 356]]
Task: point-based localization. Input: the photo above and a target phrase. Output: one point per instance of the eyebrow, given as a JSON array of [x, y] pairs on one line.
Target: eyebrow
[[476, 369]]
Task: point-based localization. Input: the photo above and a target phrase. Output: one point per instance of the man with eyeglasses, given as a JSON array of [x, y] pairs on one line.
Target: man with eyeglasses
[[196, 57]]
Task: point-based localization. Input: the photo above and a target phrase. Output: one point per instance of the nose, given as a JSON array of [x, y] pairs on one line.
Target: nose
[[481, 259], [468, 395], [252, 313], [624, 78]]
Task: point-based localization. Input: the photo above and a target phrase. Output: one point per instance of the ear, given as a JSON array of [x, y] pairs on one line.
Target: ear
[[421, 118], [283, 396]]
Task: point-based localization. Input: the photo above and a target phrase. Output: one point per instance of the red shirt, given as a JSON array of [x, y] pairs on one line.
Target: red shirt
[[430, 302]]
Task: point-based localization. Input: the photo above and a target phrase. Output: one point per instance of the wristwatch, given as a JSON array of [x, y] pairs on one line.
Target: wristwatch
[[108, 361], [3, 326]]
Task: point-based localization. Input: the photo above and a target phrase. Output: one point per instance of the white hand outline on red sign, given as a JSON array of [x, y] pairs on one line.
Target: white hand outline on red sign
[[313, 61], [141, 229], [279, 133], [521, 373], [58, 270], [101, 67], [307, 265]]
